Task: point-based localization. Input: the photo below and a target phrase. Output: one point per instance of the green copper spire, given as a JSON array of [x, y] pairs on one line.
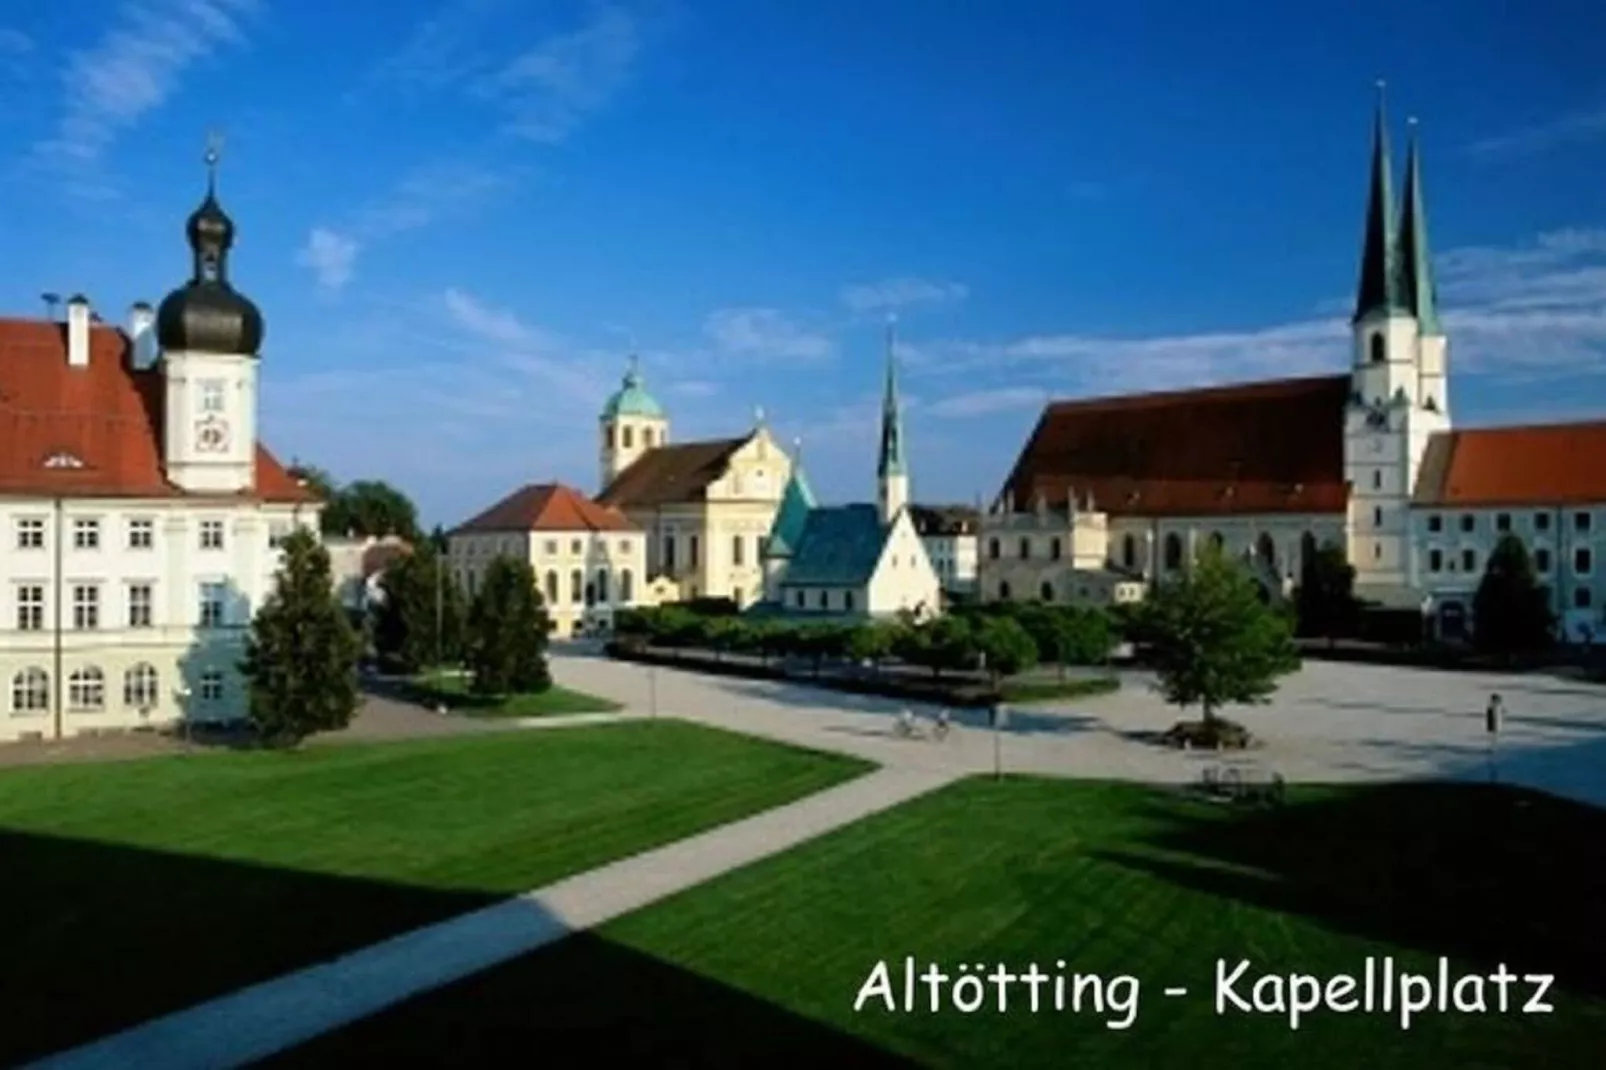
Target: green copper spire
[[891, 462], [1380, 287], [1416, 262]]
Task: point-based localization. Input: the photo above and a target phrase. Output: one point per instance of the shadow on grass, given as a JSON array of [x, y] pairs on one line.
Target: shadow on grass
[[585, 994], [1486, 874], [108, 937]]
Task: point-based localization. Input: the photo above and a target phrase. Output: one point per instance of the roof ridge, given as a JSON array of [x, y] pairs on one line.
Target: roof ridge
[[1244, 386]]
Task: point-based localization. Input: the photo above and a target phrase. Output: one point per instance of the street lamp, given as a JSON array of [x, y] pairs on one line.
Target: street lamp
[[652, 689], [181, 694]]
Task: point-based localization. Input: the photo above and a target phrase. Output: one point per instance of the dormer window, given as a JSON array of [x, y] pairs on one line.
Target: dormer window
[[63, 459]]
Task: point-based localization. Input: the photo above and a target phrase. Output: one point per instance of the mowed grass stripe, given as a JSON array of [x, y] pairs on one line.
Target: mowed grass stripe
[[153, 885]]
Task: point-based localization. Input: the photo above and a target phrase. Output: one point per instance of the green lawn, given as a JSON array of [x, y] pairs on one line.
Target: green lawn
[[452, 688], [764, 965], [137, 888]]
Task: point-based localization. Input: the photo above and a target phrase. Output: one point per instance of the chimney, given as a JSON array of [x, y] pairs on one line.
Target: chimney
[[141, 334], [78, 331]]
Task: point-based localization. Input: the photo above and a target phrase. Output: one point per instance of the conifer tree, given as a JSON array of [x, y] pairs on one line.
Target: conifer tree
[[419, 623], [1510, 612], [507, 631]]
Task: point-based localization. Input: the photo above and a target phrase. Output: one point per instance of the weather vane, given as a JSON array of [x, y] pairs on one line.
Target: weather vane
[[214, 152]]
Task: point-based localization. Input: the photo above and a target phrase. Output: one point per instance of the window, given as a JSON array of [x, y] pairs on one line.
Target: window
[[1217, 540], [1377, 479], [1541, 560], [31, 607], [1468, 522], [799, 600], [1435, 560], [575, 546], [212, 600], [628, 438], [1173, 552], [139, 605], [1377, 551], [142, 534], [624, 546], [551, 586], [1583, 561], [1580, 521], [1129, 552], [30, 533], [1054, 548], [1046, 591], [646, 437], [691, 551], [1581, 598], [1502, 522], [278, 531], [736, 550], [992, 549], [825, 599], [1541, 521], [1469, 560], [86, 690], [30, 692], [552, 547], [669, 553], [736, 596], [577, 583], [86, 534], [211, 688], [847, 600], [85, 607], [139, 687], [211, 534], [607, 437], [602, 585], [1377, 516], [627, 590], [1003, 590], [1025, 548], [1378, 348], [212, 395]]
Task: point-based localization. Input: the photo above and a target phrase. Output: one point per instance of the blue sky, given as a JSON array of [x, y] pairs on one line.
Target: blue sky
[[460, 216]]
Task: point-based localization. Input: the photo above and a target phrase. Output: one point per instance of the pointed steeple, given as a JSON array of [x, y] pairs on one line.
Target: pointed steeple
[[1416, 259], [1380, 282], [891, 461]]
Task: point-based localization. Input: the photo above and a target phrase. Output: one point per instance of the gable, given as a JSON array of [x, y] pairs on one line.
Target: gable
[[840, 547], [670, 475]]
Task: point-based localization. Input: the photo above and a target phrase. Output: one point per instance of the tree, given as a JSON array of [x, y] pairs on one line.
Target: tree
[[372, 507], [1325, 602], [438, 540], [314, 479], [1079, 636], [418, 595], [507, 631], [1213, 641], [951, 643], [870, 641], [300, 659], [1510, 611], [722, 634], [1004, 642]]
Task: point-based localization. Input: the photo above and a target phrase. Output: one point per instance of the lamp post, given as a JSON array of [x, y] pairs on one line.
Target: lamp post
[[181, 694], [652, 690]]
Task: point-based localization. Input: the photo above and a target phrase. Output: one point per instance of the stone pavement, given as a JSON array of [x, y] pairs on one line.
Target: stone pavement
[[260, 1021]]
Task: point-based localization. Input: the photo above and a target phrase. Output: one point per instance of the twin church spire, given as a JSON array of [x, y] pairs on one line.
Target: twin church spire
[[1396, 264]]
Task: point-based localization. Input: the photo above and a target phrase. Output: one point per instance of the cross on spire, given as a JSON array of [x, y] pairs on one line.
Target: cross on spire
[[214, 153]]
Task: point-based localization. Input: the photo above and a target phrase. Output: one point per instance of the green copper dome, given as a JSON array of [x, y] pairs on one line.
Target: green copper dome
[[632, 399]]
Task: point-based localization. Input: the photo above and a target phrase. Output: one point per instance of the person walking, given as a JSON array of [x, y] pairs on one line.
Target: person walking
[[1494, 716]]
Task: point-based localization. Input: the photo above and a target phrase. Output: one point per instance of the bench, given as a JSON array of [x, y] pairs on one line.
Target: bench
[[1244, 784]]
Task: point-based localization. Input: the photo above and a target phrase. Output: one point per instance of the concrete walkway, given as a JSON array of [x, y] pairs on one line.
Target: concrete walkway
[[268, 1018]]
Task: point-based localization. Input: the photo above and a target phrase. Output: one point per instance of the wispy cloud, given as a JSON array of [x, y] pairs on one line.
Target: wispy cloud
[[444, 50], [765, 332], [550, 89], [135, 68], [1567, 130], [16, 49], [989, 402], [427, 195], [891, 294]]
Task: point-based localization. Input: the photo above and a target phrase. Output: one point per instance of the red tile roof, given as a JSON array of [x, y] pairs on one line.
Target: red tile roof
[[103, 420], [1542, 464], [1270, 447], [546, 507]]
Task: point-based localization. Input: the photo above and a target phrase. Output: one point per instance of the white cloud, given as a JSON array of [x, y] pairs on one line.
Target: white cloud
[[765, 332], [988, 402], [330, 255], [891, 294], [695, 388], [442, 50], [131, 71], [552, 87], [1568, 129]]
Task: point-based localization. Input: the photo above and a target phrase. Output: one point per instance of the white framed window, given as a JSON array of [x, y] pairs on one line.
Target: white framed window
[[213, 596], [85, 607], [211, 689], [86, 690], [141, 533], [278, 531], [30, 692], [211, 534], [86, 534], [30, 533], [139, 605], [140, 687], [30, 607], [212, 396]]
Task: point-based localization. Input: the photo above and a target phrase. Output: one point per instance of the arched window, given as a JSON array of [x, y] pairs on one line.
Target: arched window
[[602, 586], [1379, 349], [577, 584], [1055, 549], [626, 586], [86, 690], [1025, 548], [139, 687], [1046, 591], [607, 436], [626, 436], [1129, 552], [1266, 550], [1003, 590], [1173, 551], [646, 438], [30, 691], [1218, 541], [552, 586]]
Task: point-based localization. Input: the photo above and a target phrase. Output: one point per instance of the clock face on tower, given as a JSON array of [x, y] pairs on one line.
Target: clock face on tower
[[212, 435]]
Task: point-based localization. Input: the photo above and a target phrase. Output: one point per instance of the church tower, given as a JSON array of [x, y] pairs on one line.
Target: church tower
[[209, 335], [632, 423], [1398, 398], [892, 472]]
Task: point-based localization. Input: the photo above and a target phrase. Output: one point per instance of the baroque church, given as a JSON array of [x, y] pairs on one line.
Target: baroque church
[[1110, 494]]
